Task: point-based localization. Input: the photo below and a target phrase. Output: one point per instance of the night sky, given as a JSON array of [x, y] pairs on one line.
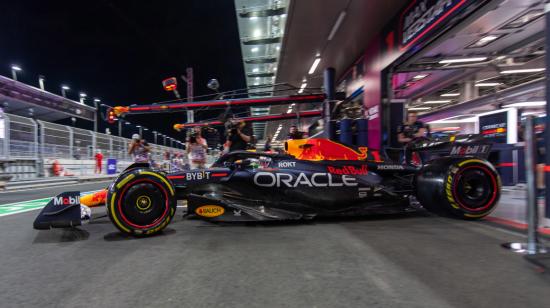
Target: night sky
[[120, 51]]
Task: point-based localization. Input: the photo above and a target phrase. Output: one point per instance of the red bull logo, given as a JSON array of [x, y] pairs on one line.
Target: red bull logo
[[351, 170], [323, 149]]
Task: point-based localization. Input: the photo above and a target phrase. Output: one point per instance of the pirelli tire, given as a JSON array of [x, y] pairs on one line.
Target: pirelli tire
[[141, 202], [464, 187]]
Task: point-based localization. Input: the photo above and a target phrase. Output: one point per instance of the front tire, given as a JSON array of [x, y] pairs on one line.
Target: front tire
[[467, 188], [141, 202]]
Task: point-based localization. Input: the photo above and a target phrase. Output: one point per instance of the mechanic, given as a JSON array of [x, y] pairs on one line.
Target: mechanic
[[409, 131], [139, 149], [238, 136], [294, 133], [267, 145], [98, 161], [196, 148]]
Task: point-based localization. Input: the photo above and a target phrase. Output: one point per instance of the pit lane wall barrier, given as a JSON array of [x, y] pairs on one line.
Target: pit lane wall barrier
[[75, 167]]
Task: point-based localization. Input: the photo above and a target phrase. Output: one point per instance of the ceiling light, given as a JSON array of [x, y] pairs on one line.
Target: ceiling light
[[419, 108], [488, 84], [528, 104], [278, 47], [488, 38], [450, 94], [524, 19], [463, 60], [531, 113], [257, 78], [255, 49], [527, 70], [65, 87], [484, 41], [16, 68], [465, 120], [255, 70], [257, 33], [420, 76], [336, 25], [83, 94], [314, 66], [256, 83], [437, 102], [254, 18]]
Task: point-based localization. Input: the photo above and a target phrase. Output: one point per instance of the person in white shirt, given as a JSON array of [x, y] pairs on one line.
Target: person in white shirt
[[196, 148]]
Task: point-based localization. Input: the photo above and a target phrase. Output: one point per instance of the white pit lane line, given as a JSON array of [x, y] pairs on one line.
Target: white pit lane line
[[30, 205]]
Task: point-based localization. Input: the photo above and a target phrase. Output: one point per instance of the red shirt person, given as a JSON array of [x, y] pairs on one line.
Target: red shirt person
[[98, 162]]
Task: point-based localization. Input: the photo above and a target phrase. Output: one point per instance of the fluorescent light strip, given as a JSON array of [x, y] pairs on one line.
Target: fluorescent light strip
[[466, 120], [314, 66], [419, 108], [488, 84], [463, 60], [420, 76], [527, 104], [336, 25], [437, 102], [450, 94], [527, 70]]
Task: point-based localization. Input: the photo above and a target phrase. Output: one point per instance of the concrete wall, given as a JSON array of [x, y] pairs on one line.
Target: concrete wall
[[79, 167]]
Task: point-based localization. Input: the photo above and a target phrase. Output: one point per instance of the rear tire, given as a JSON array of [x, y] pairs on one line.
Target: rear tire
[[141, 202], [465, 187]]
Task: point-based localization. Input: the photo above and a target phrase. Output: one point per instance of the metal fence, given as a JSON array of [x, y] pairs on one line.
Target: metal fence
[[25, 138], [3, 139], [21, 137]]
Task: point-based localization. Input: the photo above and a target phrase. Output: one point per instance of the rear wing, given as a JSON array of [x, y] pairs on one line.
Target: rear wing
[[468, 149], [457, 149]]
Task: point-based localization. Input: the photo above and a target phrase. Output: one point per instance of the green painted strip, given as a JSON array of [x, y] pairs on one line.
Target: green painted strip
[[25, 206]]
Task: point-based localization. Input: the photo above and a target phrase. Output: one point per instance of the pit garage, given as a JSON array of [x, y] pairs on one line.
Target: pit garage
[[484, 74]]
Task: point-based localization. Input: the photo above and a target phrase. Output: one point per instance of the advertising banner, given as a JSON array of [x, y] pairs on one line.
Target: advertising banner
[[499, 126], [111, 166]]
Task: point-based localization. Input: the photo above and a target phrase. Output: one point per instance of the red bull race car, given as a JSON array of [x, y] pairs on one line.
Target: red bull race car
[[314, 178]]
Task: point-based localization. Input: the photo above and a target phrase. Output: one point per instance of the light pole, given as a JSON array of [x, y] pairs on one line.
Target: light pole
[[64, 88], [140, 130], [155, 133], [96, 105], [82, 97], [14, 70]]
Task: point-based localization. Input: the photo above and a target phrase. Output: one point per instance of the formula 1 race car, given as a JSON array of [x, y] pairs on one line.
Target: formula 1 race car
[[314, 178]]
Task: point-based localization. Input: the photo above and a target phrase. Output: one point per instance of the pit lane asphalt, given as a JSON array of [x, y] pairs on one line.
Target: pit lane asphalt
[[415, 260]]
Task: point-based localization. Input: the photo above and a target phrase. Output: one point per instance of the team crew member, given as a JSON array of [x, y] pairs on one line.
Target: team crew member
[[410, 130], [294, 133], [98, 162], [196, 148], [139, 149], [238, 137], [267, 145]]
